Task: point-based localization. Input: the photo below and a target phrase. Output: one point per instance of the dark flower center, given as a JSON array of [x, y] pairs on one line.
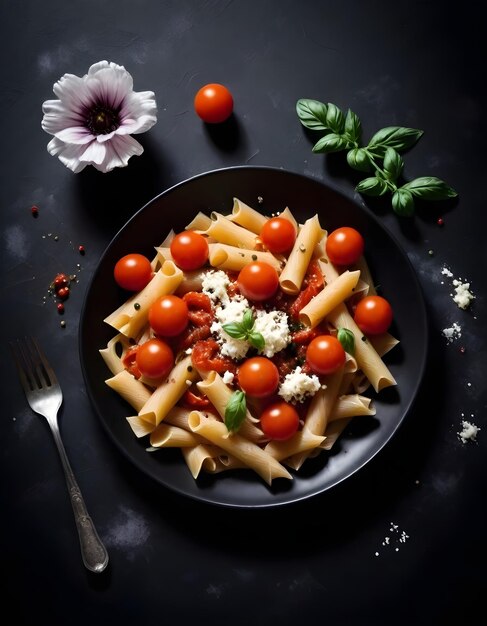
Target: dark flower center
[[101, 120]]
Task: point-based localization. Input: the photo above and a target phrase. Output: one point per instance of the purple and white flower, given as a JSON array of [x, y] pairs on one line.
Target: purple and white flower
[[95, 116]]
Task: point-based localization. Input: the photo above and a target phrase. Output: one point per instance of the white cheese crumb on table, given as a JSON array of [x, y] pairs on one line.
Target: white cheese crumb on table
[[452, 333], [469, 432]]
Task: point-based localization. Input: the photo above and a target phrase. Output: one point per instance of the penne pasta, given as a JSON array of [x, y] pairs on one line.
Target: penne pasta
[[231, 258], [247, 217], [246, 451], [330, 297], [293, 273], [128, 319]]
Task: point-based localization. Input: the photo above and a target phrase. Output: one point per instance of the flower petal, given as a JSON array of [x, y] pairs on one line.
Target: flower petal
[[57, 117], [68, 154], [74, 93], [97, 66], [119, 151], [94, 153], [111, 85], [139, 113], [75, 134]]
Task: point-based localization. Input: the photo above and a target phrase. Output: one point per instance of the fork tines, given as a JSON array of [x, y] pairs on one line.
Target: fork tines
[[33, 367]]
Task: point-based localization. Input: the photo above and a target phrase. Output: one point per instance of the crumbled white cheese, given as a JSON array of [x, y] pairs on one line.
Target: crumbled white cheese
[[228, 378], [274, 328], [231, 311], [297, 386], [452, 333], [469, 432], [214, 285], [463, 296]]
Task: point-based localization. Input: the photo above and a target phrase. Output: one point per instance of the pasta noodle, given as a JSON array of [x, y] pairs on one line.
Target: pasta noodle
[[191, 405]]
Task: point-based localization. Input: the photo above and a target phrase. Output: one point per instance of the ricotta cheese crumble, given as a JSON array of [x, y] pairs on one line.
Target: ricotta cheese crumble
[[297, 386]]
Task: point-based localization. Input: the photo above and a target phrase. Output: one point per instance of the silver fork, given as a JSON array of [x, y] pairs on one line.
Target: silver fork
[[44, 396]]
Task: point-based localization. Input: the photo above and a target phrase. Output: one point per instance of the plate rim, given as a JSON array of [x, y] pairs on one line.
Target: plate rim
[[204, 497]]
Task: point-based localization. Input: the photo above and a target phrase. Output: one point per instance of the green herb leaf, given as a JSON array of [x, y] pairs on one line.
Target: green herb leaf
[[347, 339], [397, 137], [248, 320], [403, 202], [430, 188], [331, 143], [244, 330], [235, 330], [393, 164], [353, 127], [256, 340], [335, 118], [312, 114], [235, 411], [358, 159], [372, 186]]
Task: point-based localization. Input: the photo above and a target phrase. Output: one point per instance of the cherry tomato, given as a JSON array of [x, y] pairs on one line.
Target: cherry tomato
[[189, 250], [344, 246], [258, 377], [213, 103], [168, 316], [154, 358], [279, 421], [278, 235], [133, 272], [258, 281], [373, 315], [325, 354]]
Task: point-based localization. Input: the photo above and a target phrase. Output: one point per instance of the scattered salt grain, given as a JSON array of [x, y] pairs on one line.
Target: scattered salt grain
[[469, 432], [401, 537], [452, 333]]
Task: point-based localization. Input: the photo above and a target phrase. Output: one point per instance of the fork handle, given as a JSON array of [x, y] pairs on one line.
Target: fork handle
[[93, 552]]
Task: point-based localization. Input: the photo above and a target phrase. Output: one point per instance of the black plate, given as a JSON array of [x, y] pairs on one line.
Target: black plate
[[391, 269]]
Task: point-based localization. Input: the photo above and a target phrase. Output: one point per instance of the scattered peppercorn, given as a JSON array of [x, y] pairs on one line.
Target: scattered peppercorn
[[63, 324], [60, 308], [63, 293], [431, 252], [35, 211], [136, 306], [440, 221], [462, 349], [81, 249]]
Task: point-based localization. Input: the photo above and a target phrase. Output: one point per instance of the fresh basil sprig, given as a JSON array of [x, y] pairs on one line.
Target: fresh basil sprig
[[235, 411], [347, 339], [245, 330], [380, 157]]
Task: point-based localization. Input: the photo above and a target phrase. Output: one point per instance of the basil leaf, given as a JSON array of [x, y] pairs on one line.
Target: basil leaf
[[359, 159], [256, 340], [248, 320], [335, 118], [372, 186], [235, 411], [235, 330], [397, 137], [430, 188], [353, 127], [403, 202], [393, 164], [347, 339], [331, 143], [312, 114]]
